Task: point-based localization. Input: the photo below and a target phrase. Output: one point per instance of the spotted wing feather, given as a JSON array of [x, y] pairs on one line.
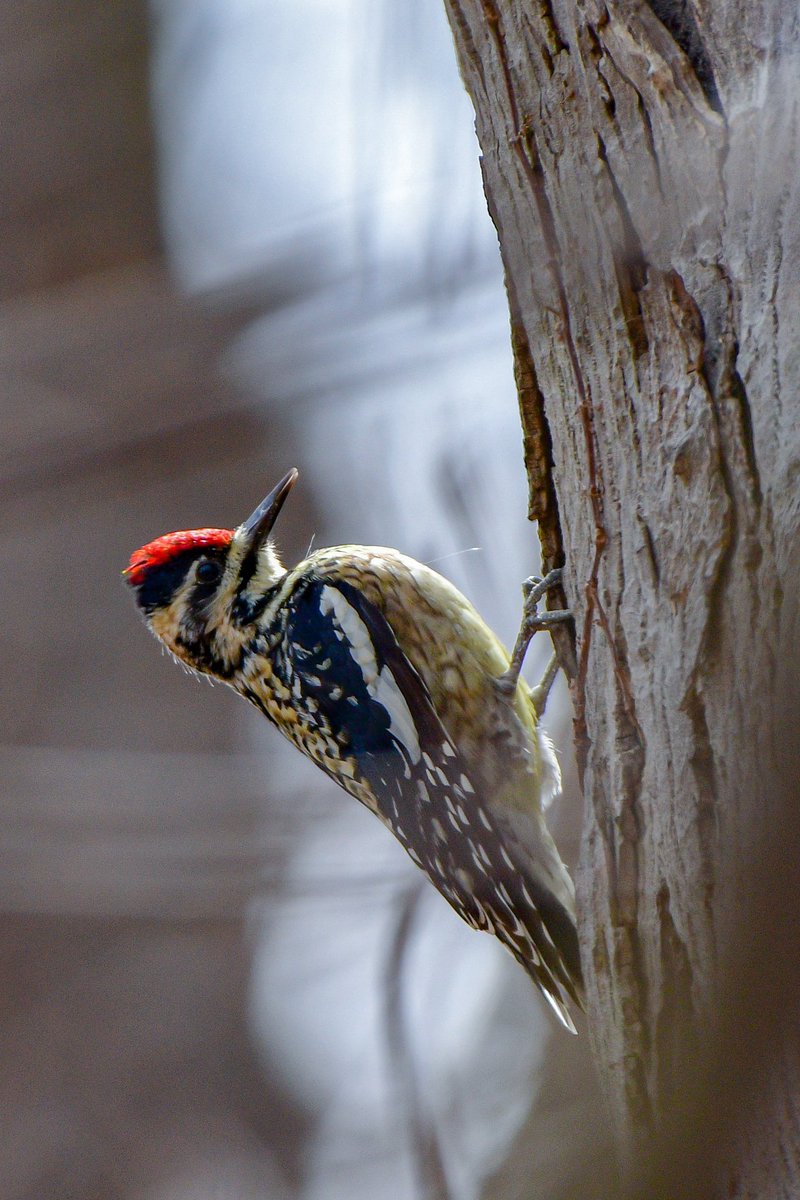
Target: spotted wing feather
[[345, 655]]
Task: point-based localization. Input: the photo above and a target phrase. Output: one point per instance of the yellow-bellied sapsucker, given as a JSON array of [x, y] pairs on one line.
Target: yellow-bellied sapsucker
[[381, 672]]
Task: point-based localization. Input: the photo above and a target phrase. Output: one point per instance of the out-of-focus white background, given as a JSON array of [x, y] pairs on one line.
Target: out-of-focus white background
[[238, 236]]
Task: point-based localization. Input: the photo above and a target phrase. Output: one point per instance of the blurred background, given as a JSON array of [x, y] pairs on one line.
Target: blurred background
[[238, 236]]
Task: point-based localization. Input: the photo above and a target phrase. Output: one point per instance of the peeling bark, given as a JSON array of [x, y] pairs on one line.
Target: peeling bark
[[640, 164]]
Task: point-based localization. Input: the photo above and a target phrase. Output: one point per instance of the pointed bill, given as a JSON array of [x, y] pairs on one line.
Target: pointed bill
[[256, 529]]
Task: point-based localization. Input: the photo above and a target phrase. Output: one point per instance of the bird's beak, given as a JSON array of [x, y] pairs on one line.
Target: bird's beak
[[256, 529]]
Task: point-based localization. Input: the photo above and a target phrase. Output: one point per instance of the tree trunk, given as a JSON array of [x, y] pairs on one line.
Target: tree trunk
[[640, 164]]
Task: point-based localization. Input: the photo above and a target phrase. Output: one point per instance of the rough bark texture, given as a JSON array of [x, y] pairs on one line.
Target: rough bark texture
[[640, 164]]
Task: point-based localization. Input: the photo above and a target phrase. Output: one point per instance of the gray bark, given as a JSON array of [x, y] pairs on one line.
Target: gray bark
[[641, 167]]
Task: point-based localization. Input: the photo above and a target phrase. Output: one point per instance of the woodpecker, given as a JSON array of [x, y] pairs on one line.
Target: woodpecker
[[381, 672]]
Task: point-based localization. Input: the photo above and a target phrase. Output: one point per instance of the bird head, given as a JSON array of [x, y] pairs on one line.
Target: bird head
[[199, 590]]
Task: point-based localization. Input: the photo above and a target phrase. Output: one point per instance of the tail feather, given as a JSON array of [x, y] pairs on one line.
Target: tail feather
[[542, 936]]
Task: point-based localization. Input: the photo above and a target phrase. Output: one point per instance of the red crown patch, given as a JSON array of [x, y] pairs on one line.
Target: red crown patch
[[156, 553]]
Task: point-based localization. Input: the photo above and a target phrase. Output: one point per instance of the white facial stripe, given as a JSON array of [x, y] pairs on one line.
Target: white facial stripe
[[380, 685], [267, 572]]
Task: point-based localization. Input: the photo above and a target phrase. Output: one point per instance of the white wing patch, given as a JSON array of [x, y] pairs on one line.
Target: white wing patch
[[401, 722], [381, 685], [354, 629]]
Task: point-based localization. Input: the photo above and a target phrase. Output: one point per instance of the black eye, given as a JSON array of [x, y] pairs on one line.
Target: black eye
[[209, 571]]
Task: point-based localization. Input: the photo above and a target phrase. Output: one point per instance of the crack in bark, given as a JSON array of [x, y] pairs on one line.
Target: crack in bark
[[724, 383], [596, 53], [537, 444], [630, 266], [678, 19], [739, 393], [730, 383], [650, 547], [771, 305], [647, 124], [547, 13], [543, 502]]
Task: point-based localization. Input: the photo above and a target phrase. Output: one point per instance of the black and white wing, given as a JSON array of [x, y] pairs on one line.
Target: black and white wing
[[341, 653]]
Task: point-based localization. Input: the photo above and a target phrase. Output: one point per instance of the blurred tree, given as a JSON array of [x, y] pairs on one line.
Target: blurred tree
[[637, 167]]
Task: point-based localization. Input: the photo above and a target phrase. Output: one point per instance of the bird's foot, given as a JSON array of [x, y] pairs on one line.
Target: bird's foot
[[533, 590]]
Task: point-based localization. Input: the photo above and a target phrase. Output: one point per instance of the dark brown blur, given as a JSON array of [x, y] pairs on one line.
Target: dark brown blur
[[126, 1068]]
